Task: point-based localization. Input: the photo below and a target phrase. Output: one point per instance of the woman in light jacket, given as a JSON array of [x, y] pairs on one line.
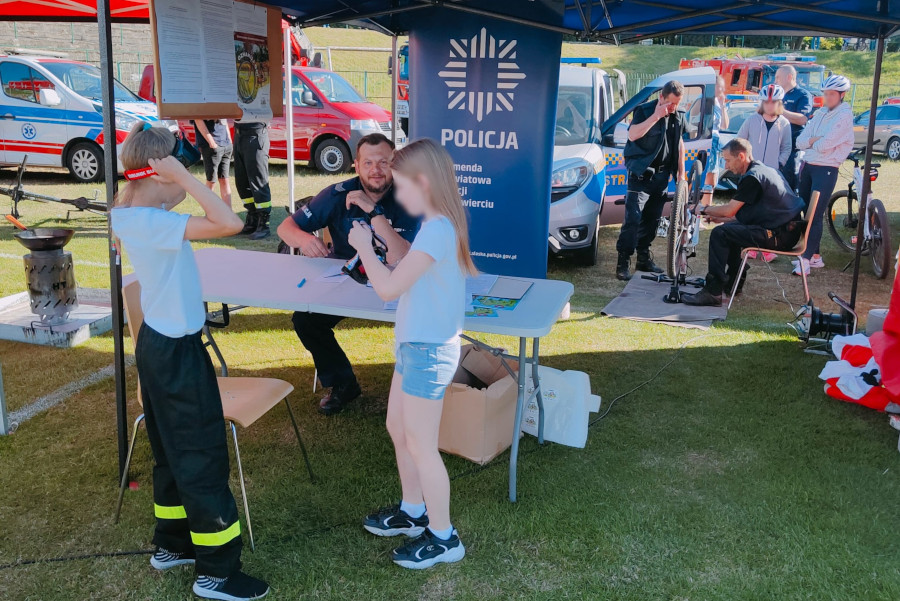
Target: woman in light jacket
[[826, 141], [768, 131]]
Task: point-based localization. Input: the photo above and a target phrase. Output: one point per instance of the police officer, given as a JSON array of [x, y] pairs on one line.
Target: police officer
[[798, 106], [654, 152], [763, 213], [369, 195], [251, 175]]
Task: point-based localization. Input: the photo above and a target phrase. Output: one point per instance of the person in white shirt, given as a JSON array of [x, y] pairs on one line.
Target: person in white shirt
[[827, 140], [430, 284], [196, 516]]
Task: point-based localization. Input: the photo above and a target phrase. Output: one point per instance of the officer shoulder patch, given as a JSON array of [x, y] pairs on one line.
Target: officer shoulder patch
[[339, 187]]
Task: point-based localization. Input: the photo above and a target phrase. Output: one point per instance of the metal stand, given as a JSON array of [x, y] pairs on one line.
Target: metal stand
[[4, 418], [674, 295]]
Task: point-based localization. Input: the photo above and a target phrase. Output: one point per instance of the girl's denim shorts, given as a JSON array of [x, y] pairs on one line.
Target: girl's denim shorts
[[427, 369]]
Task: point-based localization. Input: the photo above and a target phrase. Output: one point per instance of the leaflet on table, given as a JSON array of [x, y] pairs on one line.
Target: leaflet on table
[[480, 284], [509, 288], [210, 47], [251, 54], [493, 302], [475, 311]]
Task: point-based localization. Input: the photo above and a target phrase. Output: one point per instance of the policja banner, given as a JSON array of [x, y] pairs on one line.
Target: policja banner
[[486, 89]]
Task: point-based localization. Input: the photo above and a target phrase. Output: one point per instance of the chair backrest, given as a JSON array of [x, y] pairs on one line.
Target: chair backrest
[[810, 214], [131, 297]]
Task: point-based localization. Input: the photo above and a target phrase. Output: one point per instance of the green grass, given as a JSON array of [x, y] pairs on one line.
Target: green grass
[[730, 476]]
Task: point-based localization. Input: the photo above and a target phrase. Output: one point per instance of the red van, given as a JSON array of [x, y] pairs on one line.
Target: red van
[[329, 117]]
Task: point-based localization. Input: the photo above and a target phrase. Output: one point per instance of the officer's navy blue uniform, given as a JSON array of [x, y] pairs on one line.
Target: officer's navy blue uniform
[[650, 161], [329, 209], [800, 101]]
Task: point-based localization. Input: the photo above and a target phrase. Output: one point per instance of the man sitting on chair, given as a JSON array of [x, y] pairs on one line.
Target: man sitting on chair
[[762, 213], [370, 195]]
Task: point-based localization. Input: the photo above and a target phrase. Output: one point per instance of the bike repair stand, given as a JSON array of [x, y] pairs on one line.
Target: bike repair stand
[[674, 295]]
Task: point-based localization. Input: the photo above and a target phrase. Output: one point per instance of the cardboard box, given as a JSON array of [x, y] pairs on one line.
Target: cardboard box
[[479, 408]]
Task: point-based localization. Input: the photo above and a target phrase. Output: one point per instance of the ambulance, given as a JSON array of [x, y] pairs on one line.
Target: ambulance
[[51, 112]]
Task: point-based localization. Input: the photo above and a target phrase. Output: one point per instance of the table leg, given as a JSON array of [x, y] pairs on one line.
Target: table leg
[[536, 380], [520, 408]]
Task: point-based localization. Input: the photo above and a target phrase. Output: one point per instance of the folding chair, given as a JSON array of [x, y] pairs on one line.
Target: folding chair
[[244, 400], [796, 252]]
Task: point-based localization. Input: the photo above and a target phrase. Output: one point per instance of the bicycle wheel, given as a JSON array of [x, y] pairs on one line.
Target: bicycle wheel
[[675, 243], [695, 180], [880, 244], [842, 218]]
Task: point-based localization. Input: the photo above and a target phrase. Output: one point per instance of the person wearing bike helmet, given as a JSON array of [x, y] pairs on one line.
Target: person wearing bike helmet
[[826, 142], [768, 131]]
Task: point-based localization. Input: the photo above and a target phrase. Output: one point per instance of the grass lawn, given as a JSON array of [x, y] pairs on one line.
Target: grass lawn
[[729, 476]]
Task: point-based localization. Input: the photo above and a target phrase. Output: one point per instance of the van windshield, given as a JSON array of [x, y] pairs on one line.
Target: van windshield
[[85, 81], [334, 87], [810, 80], [574, 115]]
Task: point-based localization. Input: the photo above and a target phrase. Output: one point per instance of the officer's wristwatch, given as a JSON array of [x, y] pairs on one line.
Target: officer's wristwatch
[[375, 212]]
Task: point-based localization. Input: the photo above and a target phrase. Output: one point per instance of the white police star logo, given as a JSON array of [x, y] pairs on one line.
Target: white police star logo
[[497, 97], [28, 131]]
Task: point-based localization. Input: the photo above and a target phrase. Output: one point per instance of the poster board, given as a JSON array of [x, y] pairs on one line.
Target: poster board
[[216, 59]]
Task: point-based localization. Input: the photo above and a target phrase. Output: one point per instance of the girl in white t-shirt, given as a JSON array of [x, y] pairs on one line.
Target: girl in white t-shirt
[[430, 283], [196, 516]]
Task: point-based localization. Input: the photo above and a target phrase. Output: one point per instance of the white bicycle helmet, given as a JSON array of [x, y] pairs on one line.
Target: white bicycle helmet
[[838, 83], [771, 92]]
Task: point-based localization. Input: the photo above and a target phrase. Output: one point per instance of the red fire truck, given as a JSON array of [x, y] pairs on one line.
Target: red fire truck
[[748, 75]]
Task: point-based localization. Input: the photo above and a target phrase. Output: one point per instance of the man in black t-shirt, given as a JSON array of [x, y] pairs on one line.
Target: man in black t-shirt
[[370, 196], [653, 154], [763, 213]]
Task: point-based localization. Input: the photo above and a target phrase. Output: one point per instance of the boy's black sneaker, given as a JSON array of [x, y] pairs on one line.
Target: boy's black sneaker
[[393, 521], [427, 549], [237, 587], [163, 559]]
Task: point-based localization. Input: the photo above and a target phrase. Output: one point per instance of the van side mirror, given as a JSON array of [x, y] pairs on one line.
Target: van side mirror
[[308, 99], [49, 97]]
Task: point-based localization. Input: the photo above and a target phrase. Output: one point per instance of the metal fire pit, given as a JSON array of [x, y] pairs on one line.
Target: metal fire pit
[[50, 274]]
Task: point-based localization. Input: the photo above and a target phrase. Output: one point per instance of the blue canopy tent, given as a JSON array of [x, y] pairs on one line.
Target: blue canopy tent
[[617, 21]]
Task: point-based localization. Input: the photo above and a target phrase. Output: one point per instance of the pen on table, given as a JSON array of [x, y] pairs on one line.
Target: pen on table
[[300, 285]]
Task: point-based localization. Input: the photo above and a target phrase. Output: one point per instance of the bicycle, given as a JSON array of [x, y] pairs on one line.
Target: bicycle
[[682, 232], [17, 193], [842, 218]]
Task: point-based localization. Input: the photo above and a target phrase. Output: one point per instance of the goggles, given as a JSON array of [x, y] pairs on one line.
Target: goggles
[[186, 153]]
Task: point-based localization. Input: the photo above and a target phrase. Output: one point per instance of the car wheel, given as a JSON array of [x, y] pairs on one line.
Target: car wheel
[[893, 149], [85, 162], [333, 156]]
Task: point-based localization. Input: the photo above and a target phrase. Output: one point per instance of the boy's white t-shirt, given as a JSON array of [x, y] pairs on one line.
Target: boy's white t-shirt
[[433, 309], [164, 264]]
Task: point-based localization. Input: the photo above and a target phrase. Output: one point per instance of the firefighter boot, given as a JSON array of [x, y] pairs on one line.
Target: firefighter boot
[[250, 221], [262, 226]]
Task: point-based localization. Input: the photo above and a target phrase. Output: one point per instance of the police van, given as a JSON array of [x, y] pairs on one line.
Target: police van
[[578, 181], [50, 110]]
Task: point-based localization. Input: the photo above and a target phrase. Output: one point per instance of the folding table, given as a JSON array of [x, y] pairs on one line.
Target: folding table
[[270, 280]]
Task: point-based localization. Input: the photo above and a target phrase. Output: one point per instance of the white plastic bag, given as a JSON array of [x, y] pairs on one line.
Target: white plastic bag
[[568, 403]]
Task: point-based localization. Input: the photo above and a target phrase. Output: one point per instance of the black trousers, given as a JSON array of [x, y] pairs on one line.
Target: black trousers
[[644, 202], [316, 333], [726, 242], [193, 505], [251, 165]]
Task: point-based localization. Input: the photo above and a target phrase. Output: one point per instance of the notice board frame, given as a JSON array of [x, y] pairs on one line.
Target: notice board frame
[[223, 110]]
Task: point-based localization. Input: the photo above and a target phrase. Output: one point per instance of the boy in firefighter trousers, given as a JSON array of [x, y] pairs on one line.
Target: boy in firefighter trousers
[[196, 516]]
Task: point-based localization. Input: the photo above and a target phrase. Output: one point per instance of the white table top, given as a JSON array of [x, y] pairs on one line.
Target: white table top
[[269, 280]]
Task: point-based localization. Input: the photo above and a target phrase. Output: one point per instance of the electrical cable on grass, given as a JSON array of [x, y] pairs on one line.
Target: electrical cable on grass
[[654, 376]]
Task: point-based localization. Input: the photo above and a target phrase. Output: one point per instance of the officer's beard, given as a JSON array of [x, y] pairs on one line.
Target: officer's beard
[[379, 190]]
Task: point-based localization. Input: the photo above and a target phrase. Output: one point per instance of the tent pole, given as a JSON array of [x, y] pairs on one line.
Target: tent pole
[[111, 172], [394, 77], [289, 114], [867, 185]]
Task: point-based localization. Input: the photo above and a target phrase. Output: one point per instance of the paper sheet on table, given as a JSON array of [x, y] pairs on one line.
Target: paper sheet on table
[[480, 284], [509, 288], [332, 276]]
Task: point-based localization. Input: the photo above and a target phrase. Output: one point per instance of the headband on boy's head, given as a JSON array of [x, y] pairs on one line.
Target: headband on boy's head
[[186, 153]]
